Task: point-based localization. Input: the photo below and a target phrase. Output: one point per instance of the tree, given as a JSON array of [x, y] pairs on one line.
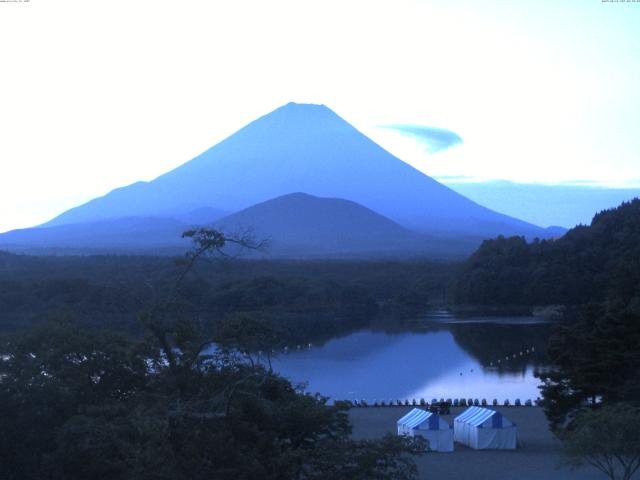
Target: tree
[[606, 438], [47, 375], [592, 263], [595, 358], [78, 403], [249, 336], [369, 459]]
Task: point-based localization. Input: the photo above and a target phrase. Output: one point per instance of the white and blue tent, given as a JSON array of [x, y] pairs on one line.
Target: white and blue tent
[[482, 428], [430, 426]]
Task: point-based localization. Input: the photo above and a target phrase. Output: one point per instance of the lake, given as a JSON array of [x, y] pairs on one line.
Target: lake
[[444, 357]]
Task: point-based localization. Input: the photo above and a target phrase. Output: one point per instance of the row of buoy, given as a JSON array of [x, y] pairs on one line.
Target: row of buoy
[[287, 349], [461, 402], [506, 359], [513, 357]]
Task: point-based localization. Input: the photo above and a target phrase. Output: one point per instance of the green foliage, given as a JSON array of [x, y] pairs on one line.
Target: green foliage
[[248, 336], [606, 438], [312, 300], [46, 376], [596, 358], [587, 264], [77, 403], [370, 460]]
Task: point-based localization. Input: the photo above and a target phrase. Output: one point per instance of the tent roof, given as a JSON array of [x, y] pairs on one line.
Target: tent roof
[[475, 416], [415, 417]]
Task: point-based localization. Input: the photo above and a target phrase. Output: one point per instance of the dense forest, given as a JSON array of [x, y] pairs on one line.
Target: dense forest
[[588, 264], [80, 403], [78, 400], [311, 300]]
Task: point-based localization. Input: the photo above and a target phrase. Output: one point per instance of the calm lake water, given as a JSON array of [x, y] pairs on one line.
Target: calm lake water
[[442, 358]]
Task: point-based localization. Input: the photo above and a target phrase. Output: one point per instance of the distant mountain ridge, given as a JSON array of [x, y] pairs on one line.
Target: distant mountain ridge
[[302, 148], [120, 235], [357, 198], [295, 225]]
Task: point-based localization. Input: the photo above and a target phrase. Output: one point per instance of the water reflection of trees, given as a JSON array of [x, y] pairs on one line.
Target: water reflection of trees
[[490, 343], [493, 345]]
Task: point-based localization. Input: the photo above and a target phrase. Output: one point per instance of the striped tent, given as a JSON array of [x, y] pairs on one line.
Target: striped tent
[[482, 428], [430, 426]]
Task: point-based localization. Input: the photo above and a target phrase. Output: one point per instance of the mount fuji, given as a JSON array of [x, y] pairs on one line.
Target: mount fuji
[[296, 148]]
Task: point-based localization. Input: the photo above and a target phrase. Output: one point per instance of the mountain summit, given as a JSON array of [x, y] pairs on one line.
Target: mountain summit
[[302, 148], [303, 225]]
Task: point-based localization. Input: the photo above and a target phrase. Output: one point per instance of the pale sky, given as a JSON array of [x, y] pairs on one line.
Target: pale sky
[[99, 94]]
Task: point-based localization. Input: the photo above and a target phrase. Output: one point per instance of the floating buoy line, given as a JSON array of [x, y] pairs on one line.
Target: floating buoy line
[[448, 403], [442, 404], [514, 356]]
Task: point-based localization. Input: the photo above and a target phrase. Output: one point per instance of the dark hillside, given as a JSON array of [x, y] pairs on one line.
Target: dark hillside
[[588, 264]]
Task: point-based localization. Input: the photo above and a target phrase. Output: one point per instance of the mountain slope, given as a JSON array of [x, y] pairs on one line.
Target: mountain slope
[[126, 234], [302, 148]]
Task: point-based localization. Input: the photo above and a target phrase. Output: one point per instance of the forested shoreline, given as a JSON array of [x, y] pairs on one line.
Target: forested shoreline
[[588, 264], [312, 300]]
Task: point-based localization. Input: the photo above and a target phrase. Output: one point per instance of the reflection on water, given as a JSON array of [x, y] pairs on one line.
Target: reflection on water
[[439, 360]]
